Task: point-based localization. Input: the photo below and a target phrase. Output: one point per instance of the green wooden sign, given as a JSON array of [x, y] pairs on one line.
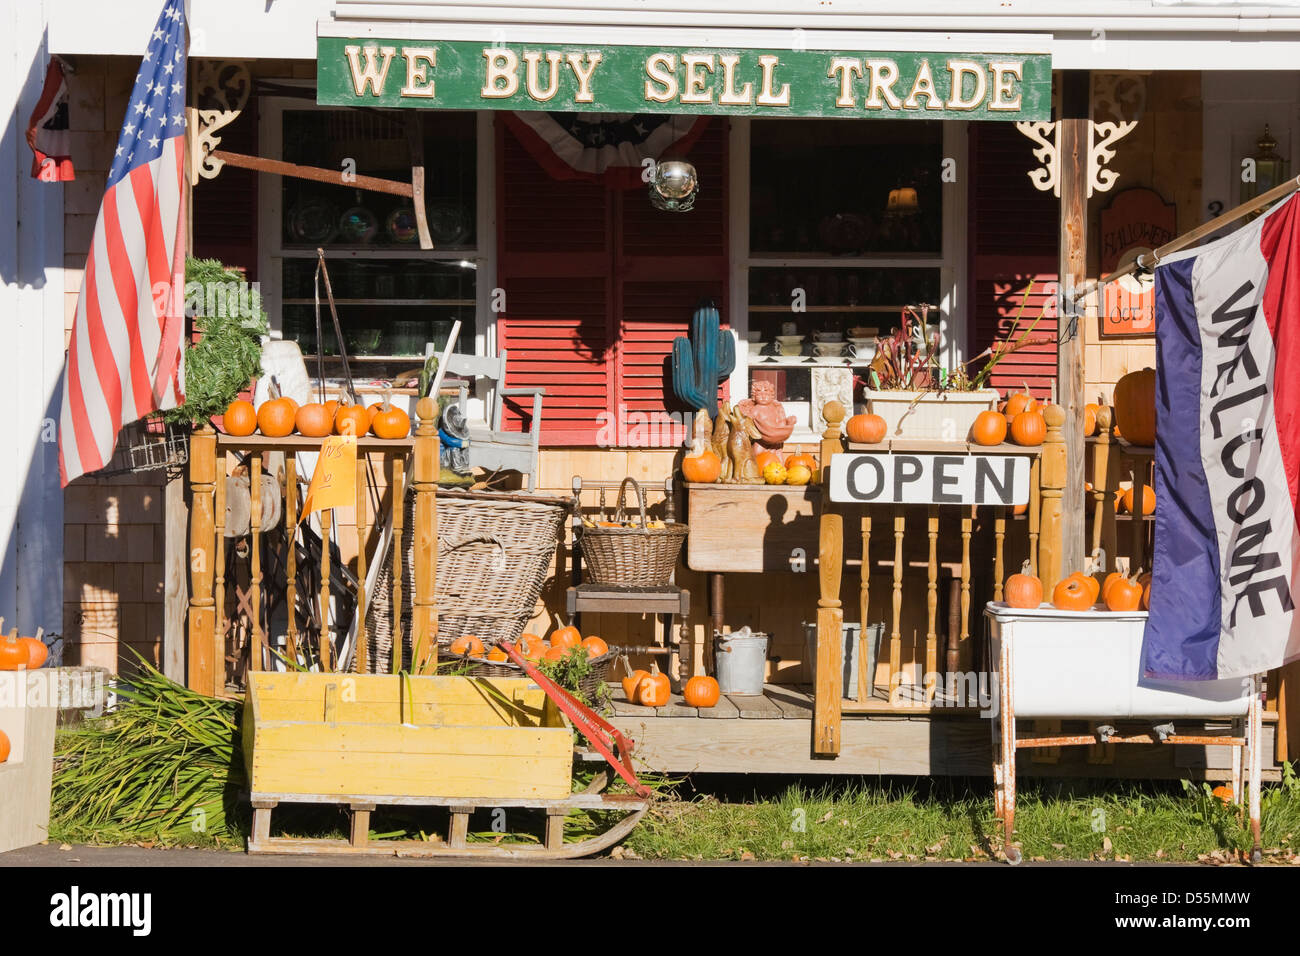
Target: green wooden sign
[[633, 79]]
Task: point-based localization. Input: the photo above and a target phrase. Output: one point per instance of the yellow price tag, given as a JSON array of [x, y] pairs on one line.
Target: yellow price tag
[[334, 482]]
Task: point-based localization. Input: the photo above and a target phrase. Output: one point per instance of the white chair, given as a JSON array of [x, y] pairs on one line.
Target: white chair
[[491, 447]]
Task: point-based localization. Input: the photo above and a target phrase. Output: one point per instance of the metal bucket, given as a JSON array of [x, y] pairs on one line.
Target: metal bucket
[[741, 661]]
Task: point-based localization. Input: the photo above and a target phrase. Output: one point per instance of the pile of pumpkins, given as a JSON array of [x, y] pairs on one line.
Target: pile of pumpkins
[[1081, 592], [281, 417], [564, 642], [704, 466], [651, 689]]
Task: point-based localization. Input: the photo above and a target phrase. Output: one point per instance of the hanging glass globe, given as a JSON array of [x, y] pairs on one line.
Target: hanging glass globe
[[674, 186]]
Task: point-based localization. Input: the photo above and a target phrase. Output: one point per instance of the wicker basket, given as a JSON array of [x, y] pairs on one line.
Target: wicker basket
[[494, 550], [641, 557]]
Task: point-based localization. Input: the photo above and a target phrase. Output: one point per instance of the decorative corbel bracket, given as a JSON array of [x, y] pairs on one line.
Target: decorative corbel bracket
[[1102, 138], [227, 84]]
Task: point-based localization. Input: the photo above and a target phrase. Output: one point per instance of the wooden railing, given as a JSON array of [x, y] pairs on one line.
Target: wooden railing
[[210, 463]]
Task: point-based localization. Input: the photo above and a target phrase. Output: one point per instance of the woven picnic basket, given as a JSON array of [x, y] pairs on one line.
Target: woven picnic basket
[[494, 549], [636, 557]]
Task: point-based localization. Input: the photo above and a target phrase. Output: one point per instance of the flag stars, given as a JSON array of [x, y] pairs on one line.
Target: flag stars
[[176, 87], [153, 142], [157, 34], [168, 69], [178, 118], [148, 113], [139, 107], [148, 55]]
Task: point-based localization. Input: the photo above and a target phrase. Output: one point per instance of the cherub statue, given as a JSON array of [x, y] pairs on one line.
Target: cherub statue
[[768, 415]]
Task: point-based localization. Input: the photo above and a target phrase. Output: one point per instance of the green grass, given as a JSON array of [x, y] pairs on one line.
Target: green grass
[[1055, 821]]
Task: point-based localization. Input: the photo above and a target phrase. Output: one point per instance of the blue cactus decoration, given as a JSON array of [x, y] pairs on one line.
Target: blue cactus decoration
[[702, 360]]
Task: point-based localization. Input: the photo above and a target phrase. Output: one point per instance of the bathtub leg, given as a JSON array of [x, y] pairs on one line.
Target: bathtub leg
[[1238, 795], [1254, 737]]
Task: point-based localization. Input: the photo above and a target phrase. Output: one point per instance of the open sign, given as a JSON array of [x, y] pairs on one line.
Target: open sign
[[896, 478]]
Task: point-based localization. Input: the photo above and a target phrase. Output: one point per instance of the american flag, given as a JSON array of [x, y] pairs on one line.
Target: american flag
[[124, 360]]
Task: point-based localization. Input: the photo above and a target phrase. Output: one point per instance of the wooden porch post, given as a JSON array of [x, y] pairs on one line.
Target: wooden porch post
[[424, 479], [829, 690], [1072, 141], [1054, 460], [204, 671]]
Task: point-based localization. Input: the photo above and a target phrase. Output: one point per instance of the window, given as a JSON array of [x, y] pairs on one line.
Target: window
[[848, 223], [392, 297]]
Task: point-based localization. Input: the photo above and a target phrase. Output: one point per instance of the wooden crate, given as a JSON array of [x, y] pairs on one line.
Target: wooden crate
[[327, 737]]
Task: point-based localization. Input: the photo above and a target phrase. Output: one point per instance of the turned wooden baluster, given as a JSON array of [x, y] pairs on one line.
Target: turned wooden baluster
[[1103, 490], [326, 655], [896, 634], [999, 547], [1137, 524], [362, 650], [866, 682], [1034, 512], [932, 601], [967, 521], [1052, 476], [424, 479], [829, 689], [219, 571], [397, 483], [205, 674], [291, 560], [256, 649]]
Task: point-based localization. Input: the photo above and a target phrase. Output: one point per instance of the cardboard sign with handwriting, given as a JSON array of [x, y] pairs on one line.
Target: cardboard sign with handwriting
[[334, 482]]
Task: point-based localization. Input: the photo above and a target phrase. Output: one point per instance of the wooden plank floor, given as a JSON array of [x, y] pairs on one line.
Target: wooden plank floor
[[772, 734]]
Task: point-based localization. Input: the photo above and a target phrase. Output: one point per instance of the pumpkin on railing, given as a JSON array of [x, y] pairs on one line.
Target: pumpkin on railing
[[1135, 407]]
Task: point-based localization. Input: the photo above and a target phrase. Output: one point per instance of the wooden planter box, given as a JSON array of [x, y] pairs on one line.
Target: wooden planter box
[[28, 705], [319, 737], [938, 415]]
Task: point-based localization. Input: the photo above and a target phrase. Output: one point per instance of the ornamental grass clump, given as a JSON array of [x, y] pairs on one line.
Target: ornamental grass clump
[[164, 765]]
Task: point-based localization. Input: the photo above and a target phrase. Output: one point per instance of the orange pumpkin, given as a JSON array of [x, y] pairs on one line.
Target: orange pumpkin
[[1091, 584], [497, 656], [1108, 582], [632, 683], [276, 416], [4, 747], [1020, 509], [314, 420], [13, 653], [1145, 581], [703, 466], [701, 692], [1023, 590], [1029, 429], [1124, 595], [801, 458], [531, 647], [352, 420], [390, 422], [1148, 500], [554, 653], [566, 637], [1090, 419], [595, 646], [1135, 406], [866, 429], [1072, 594], [654, 690], [1019, 402], [990, 428], [240, 418], [765, 458], [37, 652], [1223, 793], [469, 644]]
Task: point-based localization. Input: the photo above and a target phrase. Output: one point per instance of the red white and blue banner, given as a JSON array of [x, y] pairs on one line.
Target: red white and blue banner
[[1226, 566], [47, 129], [605, 147], [124, 358]]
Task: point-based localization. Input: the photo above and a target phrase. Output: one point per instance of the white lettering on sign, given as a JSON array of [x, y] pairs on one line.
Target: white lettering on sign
[[898, 478]]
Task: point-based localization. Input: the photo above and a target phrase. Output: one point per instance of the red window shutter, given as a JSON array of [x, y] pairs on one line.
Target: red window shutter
[[1013, 230], [225, 208], [598, 283]]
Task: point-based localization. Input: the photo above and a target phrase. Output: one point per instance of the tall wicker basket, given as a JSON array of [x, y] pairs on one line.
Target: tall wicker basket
[[635, 557], [494, 549]]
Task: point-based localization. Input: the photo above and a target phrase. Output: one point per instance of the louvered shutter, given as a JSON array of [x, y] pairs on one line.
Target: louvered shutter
[[227, 205], [598, 283], [1013, 230]]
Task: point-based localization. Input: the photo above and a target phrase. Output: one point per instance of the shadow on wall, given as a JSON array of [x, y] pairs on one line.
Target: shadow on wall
[[31, 298]]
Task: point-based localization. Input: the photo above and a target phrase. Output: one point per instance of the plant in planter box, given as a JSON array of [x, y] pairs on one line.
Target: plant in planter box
[[229, 353]]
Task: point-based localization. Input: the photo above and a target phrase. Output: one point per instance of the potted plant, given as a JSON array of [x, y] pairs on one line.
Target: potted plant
[[918, 398]]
